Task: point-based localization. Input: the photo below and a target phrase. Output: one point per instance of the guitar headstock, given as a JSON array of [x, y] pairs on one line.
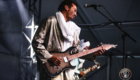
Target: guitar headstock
[[108, 46], [97, 65]]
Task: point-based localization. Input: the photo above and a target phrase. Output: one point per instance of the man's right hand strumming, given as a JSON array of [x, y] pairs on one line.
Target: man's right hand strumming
[[55, 60]]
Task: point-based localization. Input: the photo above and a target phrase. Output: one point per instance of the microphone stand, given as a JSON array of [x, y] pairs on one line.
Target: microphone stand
[[123, 36]]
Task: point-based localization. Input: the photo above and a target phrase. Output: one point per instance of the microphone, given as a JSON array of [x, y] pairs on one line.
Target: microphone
[[91, 5]]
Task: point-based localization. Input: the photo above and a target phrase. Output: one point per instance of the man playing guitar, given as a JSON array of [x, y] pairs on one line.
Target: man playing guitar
[[53, 43]]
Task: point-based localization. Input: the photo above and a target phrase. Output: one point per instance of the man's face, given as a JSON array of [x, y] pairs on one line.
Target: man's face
[[72, 12]]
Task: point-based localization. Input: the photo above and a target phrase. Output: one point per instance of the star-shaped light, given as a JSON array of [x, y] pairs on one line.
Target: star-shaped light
[[33, 28]]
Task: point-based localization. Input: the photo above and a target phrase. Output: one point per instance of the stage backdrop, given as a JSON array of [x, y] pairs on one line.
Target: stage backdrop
[[17, 60]]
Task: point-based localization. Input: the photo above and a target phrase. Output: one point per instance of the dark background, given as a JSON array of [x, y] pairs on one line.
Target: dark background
[[17, 62]]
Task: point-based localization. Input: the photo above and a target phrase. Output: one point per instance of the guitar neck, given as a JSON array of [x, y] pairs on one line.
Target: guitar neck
[[83, 53]]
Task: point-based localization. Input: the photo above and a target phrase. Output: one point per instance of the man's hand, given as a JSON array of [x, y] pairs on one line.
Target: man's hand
[[86, 48], [100, 52], [55, 60]]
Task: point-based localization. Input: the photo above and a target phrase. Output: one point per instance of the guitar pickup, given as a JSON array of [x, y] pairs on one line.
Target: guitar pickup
[[65, 59]]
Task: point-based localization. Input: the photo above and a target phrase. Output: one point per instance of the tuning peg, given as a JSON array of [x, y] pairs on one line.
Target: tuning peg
[[115, 46], [98, 67]]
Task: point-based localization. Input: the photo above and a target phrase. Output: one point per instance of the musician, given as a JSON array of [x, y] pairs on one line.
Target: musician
[[58, 33]]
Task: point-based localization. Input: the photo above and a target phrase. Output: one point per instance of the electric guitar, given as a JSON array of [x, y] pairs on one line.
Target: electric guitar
[[67, 56]]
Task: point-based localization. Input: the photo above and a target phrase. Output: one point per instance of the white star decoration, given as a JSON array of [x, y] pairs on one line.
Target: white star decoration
[[33, 28]]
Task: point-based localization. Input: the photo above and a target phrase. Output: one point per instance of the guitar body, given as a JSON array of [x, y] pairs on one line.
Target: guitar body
[[53, 70]]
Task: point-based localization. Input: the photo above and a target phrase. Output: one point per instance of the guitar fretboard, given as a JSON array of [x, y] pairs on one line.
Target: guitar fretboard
[[83, 53]]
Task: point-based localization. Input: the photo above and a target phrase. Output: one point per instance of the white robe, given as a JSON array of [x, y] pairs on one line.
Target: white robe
[[76, 30]]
